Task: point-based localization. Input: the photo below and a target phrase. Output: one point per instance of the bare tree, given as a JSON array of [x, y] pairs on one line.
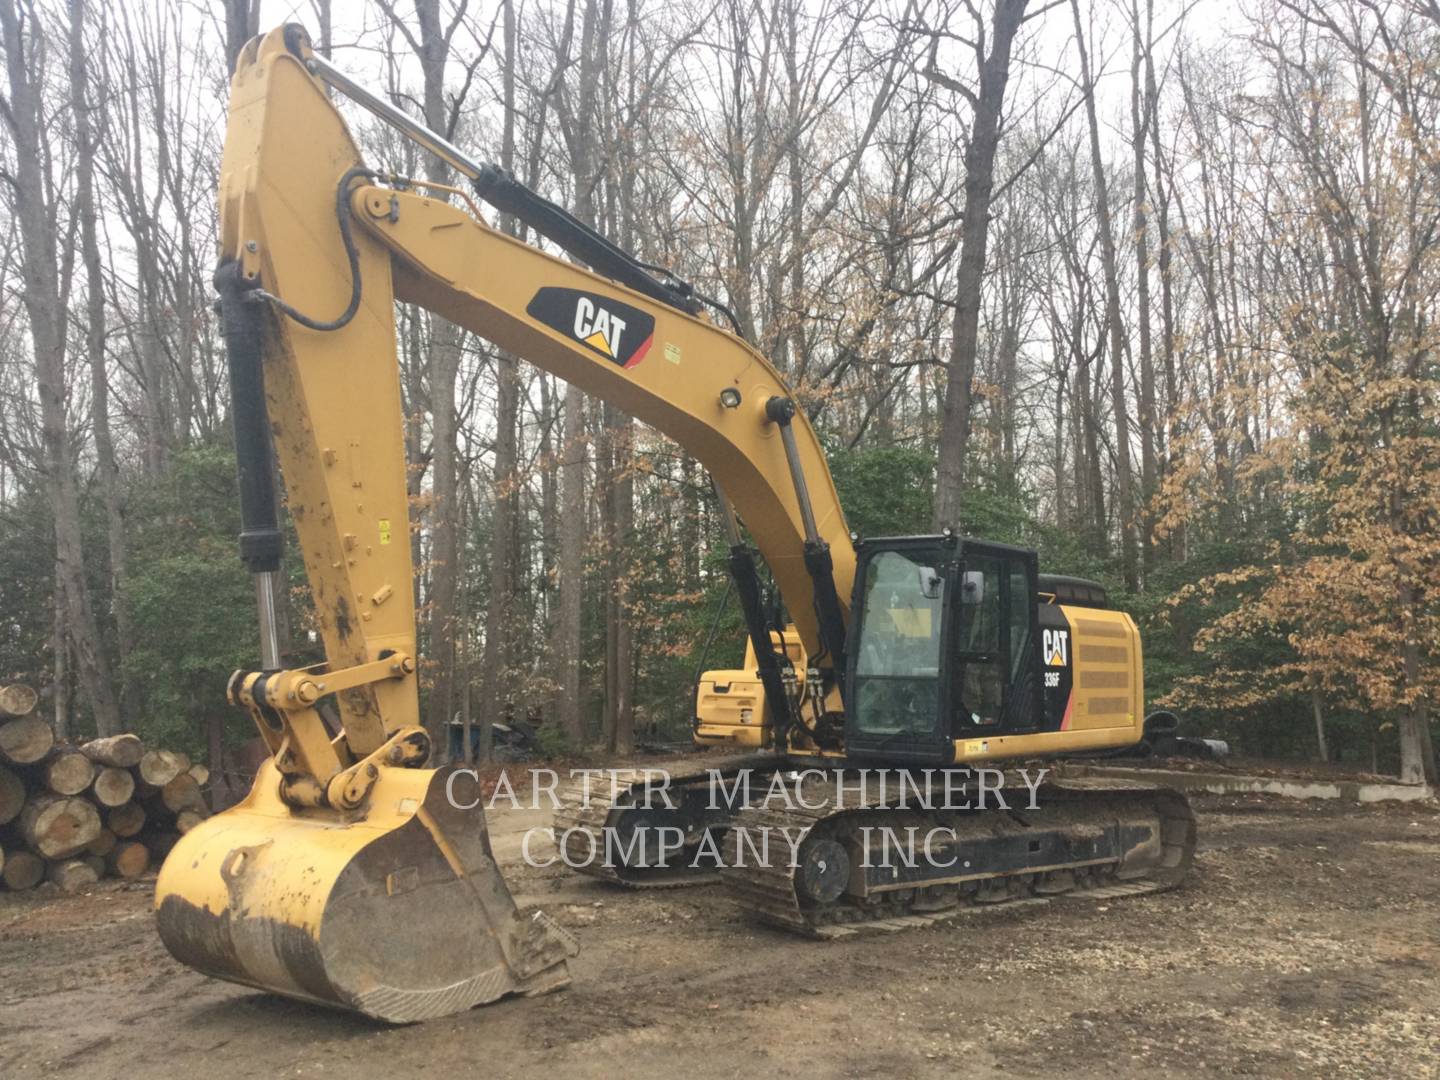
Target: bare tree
[[992, 50], [576, 110], [87, 209], [432, 43], [500, 632], [1125, 494], [46, 280], [242, 22]]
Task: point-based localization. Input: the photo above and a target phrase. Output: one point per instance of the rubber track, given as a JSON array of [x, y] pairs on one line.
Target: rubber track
[[768, 891], [580, 823]]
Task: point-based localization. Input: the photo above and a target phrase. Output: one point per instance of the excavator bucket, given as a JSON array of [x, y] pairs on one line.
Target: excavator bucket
[[396, 910]]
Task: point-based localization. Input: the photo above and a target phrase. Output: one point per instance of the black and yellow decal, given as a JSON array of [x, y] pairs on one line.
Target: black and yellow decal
[[1056, 666], [604, 325]]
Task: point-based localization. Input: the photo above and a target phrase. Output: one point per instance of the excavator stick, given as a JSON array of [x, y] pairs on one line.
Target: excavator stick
[[397, 911]]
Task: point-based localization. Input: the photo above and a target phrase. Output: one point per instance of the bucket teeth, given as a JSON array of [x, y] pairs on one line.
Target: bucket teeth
[[541, 944]]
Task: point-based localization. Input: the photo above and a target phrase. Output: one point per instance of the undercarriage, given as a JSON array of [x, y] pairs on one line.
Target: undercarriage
[[826, 852]]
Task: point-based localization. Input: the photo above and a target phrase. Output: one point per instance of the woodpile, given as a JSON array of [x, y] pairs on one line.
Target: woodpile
[[72, 814]]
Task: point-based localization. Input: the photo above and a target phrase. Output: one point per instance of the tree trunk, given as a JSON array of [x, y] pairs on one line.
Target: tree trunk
[[1317, 707], [126, 819], [1141, 118], [500, 620], [1059, 383], [444, 367], [579, 123], [60, 654], [500, 630], [970, 271], [242, 22], [181, 793], [1167, 295], [158, 767], [23, 870], [17, 699], [571, 568], [45, 309], [12, 795], [118, 751], [549, 505], [106, 471], [1417, 754], [1125, 496], [1094, 474], [620, 631], [323, 20], [71, 875], [129, 860]]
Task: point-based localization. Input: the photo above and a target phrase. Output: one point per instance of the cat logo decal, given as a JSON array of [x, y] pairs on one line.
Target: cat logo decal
[[606, 326], [1057, 647]]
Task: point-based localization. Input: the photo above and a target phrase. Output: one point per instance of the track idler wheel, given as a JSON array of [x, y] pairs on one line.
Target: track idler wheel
[[824, 870]]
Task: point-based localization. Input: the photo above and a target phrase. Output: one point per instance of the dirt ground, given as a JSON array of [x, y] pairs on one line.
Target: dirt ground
[[1306, 944]]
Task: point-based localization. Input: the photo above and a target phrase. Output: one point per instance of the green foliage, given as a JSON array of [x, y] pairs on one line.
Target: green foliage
[[190, 600], [554, 742], [885, 490], [27, 582], [1000, 514], [670, 642], [1168, 630]]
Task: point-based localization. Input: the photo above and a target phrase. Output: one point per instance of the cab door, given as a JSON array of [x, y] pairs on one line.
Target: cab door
[[896, 706], [995, 672]]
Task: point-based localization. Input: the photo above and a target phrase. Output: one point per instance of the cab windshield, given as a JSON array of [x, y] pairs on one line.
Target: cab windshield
[[897, 671]]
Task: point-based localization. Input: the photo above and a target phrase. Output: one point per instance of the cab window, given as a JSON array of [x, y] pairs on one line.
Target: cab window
[[898, 667]]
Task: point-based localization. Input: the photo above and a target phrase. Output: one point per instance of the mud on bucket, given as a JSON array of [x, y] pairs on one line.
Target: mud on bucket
[[396, 910]]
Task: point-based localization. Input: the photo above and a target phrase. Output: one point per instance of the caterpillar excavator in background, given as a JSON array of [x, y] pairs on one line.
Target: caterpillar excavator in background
[[730, 707], [349, 875]]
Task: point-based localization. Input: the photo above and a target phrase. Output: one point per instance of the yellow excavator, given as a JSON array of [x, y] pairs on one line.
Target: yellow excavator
[[349, 875], [730, 707]]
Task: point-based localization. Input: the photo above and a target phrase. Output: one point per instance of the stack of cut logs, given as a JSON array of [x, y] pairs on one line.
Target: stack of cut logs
[[72, 814]]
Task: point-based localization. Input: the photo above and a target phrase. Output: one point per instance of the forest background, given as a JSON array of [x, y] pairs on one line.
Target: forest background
[[1149, 286]]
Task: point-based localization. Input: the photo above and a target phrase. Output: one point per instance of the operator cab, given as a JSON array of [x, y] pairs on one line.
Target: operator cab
[[942, 647]]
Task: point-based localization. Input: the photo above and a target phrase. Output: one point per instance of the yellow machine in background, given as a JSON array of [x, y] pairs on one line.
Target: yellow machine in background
[[730, 706]]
